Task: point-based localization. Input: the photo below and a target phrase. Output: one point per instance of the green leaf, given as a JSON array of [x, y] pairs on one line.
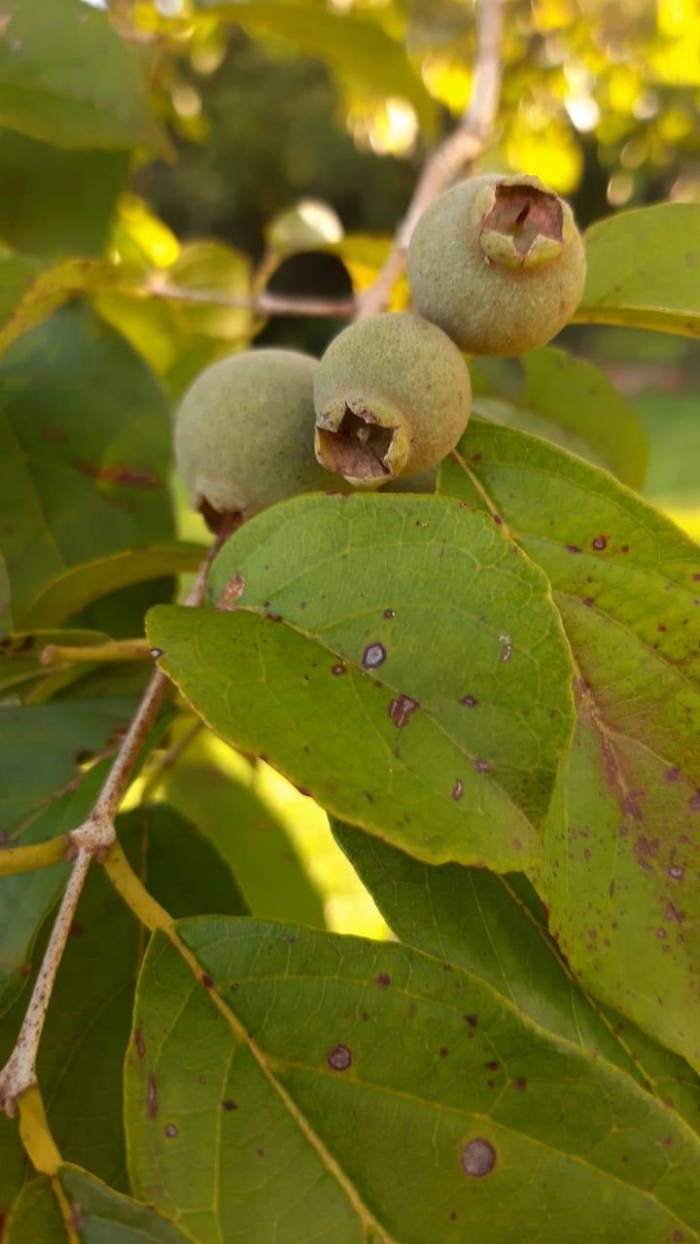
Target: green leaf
[[352, 1089], [343, 661], [5, 600], [105, 1217], [70, 592], [32, 291], [54, 202], [67, 78], [249, 837], [99, 1214], [89, 1020], [620, 852], [84, 453], [49, 794], [42, 748], [572, 403], [643, 270], [495, 928], [179, 865], [35, 1217], [355, 49]]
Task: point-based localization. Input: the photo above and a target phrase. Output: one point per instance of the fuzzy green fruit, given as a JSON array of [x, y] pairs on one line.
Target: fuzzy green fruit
[[498, 264], [244, 434], [392, 396]]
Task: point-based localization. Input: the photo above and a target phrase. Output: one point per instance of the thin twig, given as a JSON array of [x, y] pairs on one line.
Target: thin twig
[[19, 1072], [262, 304], [453, 155], [92, 840], [111, 650]]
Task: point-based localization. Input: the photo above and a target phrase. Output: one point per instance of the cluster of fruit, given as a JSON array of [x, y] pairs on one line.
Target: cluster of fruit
[[496, 266]]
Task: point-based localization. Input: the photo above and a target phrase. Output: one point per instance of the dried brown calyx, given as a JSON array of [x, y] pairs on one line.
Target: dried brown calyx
[[525, 226], [361, 446]]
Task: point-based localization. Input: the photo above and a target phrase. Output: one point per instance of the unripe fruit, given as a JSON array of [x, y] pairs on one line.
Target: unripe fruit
[[392, 396], [244, 434], [498, 264]]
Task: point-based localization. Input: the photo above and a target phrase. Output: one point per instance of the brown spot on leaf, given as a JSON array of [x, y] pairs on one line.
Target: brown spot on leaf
[[482, 766], [340, 1058], [645, 850], [231, 593], [478, 1158], [458, 790], [675, 871], [401, 709], [140, 1045], [472, 1020], [119, 475], [389, 613], [171, 1131], [229, 1104], [599, 543], [469, 700], [373, 656], [151, 1099], [520, 1084], [207, 981], [384, 979], [572, 548]]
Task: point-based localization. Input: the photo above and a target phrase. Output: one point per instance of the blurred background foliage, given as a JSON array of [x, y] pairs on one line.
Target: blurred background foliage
[[332, 104], [227, 148]]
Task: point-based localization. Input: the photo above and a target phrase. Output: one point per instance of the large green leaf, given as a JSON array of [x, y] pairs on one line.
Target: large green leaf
[[354, 48], [78, 586], [43, 747], [55, 202], [84, 453], [495, 928], [353, 1090], [249, 836], [621, 847], [32, 291], [35, 1217], [88, 1024], [48, 794], [571, 402], [67, 78], [396, 657], [99, 1215], [643, 270]]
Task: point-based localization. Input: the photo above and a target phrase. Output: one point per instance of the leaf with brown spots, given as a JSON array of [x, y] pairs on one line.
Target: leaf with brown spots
[[623, 837], [383, 1113], [466, 686]]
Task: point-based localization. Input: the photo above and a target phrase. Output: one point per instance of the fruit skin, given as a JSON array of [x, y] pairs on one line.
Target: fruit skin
[[244, 434], [498, 263], [392, 396]]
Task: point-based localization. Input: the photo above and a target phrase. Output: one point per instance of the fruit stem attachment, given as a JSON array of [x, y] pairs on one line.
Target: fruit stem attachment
[[454, 154], [91, 841]]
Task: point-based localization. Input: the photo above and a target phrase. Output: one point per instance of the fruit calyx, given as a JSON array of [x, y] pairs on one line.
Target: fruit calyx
[[525, 226], [366, 445]]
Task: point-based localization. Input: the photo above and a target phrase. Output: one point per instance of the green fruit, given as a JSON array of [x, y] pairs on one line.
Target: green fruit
[[244, 434], [498, 264], [392, 396]]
